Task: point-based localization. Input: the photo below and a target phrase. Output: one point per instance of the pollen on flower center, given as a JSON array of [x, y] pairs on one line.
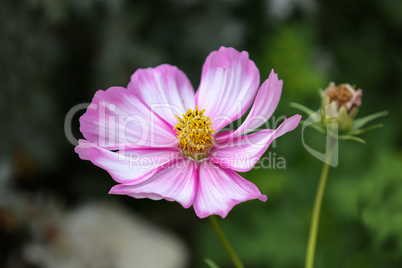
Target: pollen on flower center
[[341, 94], [194, 131]]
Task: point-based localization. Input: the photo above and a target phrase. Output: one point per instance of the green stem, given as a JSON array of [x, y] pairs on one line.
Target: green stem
[[225, 243], [317, 208]]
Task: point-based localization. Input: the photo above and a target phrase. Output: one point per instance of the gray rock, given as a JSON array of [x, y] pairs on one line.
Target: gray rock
[[106, 235]]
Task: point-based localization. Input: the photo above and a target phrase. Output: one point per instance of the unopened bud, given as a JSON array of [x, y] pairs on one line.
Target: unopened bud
[[340, 104]]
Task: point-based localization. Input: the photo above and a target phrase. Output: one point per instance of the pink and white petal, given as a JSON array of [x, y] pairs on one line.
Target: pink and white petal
[[175, 181], [220, 189], [242, 153], [165, 89], [229, 82], [117, 119], [224, 135], [265, 103], [127, 166], [81, 149]]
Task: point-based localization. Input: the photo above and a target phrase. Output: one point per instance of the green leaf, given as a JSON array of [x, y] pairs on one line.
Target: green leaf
[[210, 263], [358, 123]]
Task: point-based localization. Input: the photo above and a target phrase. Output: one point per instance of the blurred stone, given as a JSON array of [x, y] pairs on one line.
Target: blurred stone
[[106, 235]]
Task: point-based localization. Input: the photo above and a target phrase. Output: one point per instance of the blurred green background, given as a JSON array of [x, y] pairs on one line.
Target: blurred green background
[[57, 54]]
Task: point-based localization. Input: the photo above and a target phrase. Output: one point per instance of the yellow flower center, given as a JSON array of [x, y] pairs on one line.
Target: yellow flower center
[[194, 131]]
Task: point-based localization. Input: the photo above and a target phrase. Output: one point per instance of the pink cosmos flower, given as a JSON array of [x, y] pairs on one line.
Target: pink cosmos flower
[[159, 140]]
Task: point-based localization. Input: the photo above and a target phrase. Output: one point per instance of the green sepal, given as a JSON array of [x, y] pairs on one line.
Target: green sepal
[[350, 137], [301, 108], [317, 126], [364, 130], [306, 110], [210, 263], [344, 120], [358, 123], [353, 130]]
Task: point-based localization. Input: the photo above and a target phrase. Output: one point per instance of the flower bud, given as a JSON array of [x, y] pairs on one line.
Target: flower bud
[[340, 104]]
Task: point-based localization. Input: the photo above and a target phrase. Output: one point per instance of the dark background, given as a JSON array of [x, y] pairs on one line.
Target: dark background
[[57, 54]]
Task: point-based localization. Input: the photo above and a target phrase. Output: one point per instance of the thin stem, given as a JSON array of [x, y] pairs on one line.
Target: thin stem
[[225, 243], [316, 211]]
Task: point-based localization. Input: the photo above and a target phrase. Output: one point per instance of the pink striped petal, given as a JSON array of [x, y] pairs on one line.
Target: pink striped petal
[[220, 189], [81, 149], [117, 119], [265, 103], [165, 89], [242, 153], [127, 166], [176, 181], [229, 82]]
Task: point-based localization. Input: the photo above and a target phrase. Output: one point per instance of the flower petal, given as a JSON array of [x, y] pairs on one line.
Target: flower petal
[[117, 119], [165, 89], [242, 153], [229, 82], [127, 166], [175, 181], [220, 189], [81, 149], [265, 103]]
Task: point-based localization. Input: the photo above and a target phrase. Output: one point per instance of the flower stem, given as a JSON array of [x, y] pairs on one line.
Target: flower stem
[[225, 243], [316, 211]]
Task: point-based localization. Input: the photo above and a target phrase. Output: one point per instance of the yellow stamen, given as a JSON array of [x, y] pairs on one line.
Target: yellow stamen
[[194, 131]]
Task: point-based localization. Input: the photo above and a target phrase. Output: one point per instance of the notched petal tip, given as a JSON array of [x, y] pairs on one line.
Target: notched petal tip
[[295, 120], [82, 149], [263, 198], [225, 57], [117, 189], [273, 74]]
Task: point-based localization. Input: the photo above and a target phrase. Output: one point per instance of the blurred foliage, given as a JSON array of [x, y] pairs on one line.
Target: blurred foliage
[[308, 71], [56, 54]]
